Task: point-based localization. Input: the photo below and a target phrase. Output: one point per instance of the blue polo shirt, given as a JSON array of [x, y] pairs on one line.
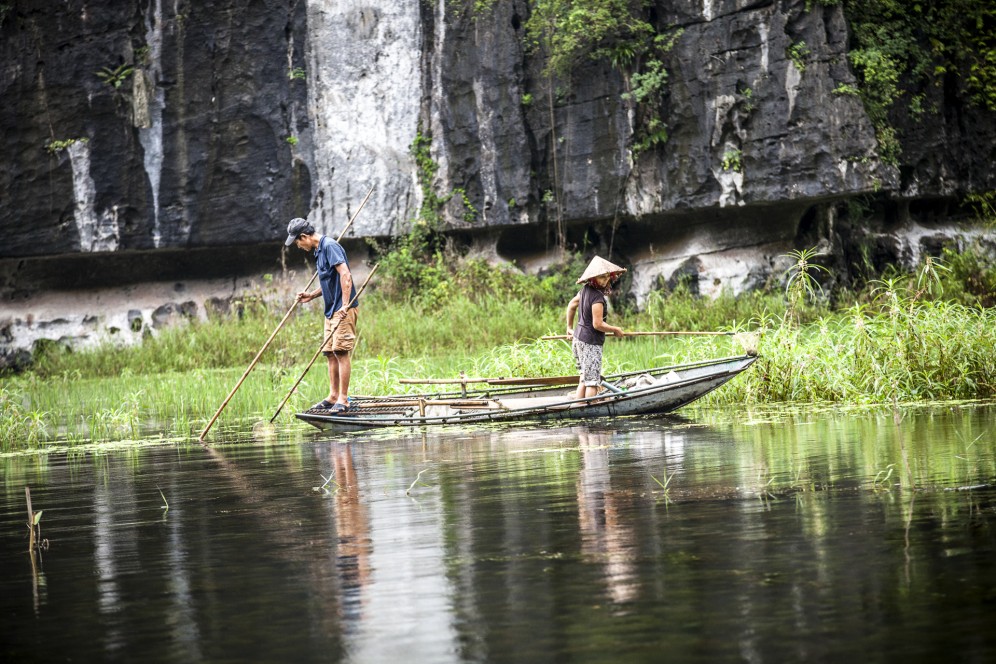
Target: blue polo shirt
[[328, 255]]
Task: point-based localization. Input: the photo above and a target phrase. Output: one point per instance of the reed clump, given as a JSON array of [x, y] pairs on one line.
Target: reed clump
[[927, 351]]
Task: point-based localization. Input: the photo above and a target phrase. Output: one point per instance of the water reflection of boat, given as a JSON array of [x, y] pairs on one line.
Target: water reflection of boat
[[650, 391]]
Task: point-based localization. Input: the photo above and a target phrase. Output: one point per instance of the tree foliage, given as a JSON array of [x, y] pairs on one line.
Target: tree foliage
[[901, 49], [570, 32]]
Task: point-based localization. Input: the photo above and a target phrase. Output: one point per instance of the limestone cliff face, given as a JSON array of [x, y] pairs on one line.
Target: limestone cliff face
[[162, 125], [160, 131], [364, 85], [150, 125], [732, 90]]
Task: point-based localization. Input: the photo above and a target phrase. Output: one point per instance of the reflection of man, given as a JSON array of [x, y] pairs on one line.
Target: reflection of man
[[604, 536], [353, 553]]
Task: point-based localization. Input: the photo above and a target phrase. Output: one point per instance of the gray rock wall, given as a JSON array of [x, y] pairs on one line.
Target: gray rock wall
[[188, 149], [732, 89], [239, 114], [363, 101]]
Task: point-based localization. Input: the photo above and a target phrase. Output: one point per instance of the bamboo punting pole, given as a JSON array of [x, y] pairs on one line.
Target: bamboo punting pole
[[648, 334], [319, 351], [266, 345], [535, 380]]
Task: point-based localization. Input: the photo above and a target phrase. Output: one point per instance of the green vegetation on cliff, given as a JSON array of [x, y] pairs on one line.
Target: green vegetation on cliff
[[902, 50]]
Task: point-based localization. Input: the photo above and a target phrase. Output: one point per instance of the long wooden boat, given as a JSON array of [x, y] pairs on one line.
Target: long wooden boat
[[651, 391]]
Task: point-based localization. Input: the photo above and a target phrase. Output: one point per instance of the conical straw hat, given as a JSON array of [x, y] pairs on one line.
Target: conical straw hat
[[597, 267]]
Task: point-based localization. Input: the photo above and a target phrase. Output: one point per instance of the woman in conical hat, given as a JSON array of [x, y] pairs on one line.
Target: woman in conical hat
[[598, 267], [589, 335]]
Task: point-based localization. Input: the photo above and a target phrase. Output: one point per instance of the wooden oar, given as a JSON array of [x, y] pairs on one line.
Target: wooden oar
[[647, 334], [442, 381], [405, 403], [273, 336], [319, 351], [539, 380]]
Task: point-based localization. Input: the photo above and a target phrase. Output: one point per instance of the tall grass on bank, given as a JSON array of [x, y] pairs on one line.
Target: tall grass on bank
[[902, 340], [385, 327], [934, 351], [73, 408]]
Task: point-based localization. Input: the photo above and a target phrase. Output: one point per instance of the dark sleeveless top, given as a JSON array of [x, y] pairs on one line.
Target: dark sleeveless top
[[584, 331]]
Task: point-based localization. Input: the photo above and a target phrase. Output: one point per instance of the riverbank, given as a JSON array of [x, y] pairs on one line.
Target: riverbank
[[905, 339]]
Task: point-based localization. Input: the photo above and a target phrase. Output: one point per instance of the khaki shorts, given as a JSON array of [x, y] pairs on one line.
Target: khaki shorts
[[344, 338]]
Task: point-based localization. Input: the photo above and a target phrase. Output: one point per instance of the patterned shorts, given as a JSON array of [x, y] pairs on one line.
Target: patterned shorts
[[588, 358]]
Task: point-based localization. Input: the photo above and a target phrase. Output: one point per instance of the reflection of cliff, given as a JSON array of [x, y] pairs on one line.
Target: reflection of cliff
[[239, 568], [606, 537]]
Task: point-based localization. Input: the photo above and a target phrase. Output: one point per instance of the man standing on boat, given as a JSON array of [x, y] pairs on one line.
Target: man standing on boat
[[589, 335], [334, 279]]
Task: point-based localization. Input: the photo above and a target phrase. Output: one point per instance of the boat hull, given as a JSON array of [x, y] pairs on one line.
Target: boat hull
[[664, 390]]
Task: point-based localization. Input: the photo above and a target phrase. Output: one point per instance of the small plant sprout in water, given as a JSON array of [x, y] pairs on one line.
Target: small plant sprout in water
[[766, 489], [418, 481], [882, 477], [35, 540], [664, 485], [328, 480], [165, 505], [968, 446]]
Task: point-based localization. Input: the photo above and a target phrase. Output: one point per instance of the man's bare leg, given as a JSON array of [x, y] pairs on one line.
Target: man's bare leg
[[344, 370], [333, 378]]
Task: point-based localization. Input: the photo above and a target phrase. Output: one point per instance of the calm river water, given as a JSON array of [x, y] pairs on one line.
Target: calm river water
[[823, 537]]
